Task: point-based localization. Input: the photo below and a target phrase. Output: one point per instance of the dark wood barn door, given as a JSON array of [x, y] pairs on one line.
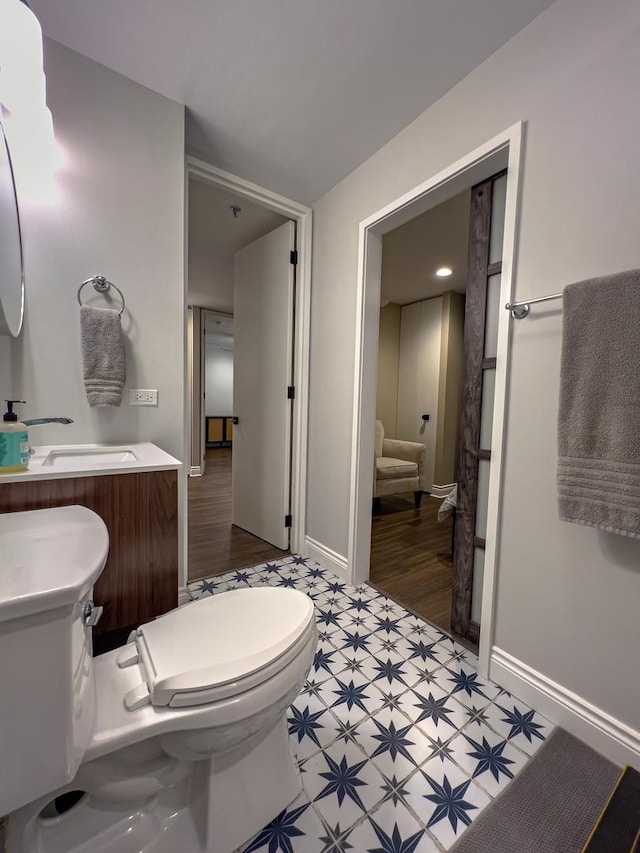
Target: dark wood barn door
[[480, 346]]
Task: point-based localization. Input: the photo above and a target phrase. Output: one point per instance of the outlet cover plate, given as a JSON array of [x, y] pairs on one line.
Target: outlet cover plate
[[143, 397]]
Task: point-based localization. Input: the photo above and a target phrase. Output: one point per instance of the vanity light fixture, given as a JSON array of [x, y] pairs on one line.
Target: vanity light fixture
[[444, 272], [23, 108]]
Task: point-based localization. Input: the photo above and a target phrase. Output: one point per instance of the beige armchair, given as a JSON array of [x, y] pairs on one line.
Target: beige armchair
[[399, 466]]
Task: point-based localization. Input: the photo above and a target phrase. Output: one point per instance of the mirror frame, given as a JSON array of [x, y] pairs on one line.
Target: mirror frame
[[4, 324]]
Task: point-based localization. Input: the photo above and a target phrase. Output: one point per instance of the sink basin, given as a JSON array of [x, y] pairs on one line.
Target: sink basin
[[91, 456]]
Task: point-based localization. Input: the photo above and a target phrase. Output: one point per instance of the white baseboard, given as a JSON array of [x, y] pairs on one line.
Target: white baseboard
[[438, 491], [604, 733], [183, 595], [195, 471], [327, 558]]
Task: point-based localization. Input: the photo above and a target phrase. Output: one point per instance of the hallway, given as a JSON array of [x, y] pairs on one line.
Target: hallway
[[215, 545]]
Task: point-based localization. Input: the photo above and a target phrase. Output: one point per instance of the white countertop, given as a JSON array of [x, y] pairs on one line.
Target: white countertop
[[149, 457]]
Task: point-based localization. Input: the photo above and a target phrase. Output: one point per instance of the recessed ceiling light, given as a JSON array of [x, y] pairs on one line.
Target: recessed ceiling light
[[444, 272]]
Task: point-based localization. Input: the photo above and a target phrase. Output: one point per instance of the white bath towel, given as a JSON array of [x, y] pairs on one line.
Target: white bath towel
[[103, 356]]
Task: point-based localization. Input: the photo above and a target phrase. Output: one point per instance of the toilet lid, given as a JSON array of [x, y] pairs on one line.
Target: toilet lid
[[220, 639]]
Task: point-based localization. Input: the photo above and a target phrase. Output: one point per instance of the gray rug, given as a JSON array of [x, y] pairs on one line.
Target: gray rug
[[550, 807]]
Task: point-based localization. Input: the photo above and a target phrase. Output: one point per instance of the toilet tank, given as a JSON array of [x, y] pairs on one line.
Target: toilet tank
[[49, 561]]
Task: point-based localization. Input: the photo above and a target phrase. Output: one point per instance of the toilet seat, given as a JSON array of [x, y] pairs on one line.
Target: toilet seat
[[217, 647]]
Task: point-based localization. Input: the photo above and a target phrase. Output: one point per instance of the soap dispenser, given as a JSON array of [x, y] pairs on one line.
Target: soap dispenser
[[14, 442]]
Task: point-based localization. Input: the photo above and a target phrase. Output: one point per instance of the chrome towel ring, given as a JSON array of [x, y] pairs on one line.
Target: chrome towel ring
[[101, 284]]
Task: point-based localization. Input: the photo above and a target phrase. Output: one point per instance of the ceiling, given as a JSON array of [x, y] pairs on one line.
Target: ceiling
[[219, 331], [412, 253], [215, 235], [213, 228], [291, 94]]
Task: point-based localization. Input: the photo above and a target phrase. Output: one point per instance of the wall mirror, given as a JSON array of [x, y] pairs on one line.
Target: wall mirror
[[11, 266]]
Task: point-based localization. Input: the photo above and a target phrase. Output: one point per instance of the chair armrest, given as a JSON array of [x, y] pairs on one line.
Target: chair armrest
[[410, 451]]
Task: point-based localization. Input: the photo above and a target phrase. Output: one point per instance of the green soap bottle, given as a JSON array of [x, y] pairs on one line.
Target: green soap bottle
[[14, 442]]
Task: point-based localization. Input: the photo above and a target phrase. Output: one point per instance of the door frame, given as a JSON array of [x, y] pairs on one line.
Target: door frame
[[302, 216], [195, 381], [500, 152]]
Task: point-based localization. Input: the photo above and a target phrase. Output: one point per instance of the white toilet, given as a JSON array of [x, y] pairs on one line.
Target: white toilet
[[176, 742]]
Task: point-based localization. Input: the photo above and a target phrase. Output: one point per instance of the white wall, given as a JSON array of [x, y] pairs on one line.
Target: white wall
[[119, 212], [218, 372], [567, 596], [5, 367]]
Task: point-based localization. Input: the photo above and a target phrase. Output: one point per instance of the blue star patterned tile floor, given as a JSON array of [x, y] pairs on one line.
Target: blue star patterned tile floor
[[400, 743]]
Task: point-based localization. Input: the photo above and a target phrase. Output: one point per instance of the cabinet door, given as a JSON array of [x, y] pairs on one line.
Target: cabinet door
[[140, 579], [214, 430]]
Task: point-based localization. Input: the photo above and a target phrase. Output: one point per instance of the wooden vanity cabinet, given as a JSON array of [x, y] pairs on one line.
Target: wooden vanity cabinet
[[140, 509]]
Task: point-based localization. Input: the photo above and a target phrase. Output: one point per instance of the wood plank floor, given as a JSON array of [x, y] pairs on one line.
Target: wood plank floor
[[411, 558], [215, 545], [410, 550]]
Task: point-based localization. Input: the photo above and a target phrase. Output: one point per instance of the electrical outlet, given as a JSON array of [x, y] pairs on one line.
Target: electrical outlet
[[143, 397]]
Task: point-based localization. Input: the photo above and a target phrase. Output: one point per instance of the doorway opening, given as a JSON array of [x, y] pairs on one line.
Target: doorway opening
[[501, 154], [430, 559], [419, 385], [247, 280]]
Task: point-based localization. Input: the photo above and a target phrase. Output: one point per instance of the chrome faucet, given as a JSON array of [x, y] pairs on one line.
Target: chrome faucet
[[38, 421]]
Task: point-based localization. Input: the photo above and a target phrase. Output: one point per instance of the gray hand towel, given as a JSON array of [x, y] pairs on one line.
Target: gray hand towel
[[599, 417], [103, 358]]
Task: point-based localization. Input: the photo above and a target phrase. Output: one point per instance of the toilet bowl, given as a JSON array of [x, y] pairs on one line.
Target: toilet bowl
[[188, 746]]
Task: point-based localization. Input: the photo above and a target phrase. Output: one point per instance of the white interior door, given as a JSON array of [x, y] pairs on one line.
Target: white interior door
[[263, 317]]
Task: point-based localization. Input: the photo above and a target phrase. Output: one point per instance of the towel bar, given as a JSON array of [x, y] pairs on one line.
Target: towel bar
[[519, 310], [101, 284]]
